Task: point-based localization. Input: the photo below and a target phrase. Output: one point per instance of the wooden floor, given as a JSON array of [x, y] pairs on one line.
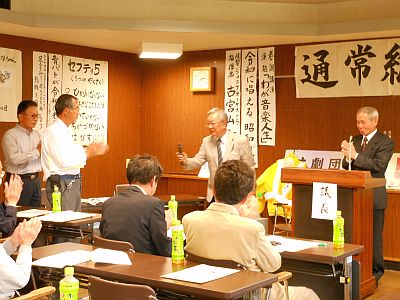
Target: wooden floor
[[388, 288]]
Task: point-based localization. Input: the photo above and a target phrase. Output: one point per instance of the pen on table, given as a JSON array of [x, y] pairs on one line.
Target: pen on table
[[322, 244]]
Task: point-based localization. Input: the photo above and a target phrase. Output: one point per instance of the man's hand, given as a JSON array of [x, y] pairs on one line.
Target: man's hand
[[30, 231], [249, 208], [12, 190], [182, 156], [96, 149], [16, 237], [346, 146]]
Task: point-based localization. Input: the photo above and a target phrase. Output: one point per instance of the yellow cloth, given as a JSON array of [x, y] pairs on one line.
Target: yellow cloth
[[271, 189]]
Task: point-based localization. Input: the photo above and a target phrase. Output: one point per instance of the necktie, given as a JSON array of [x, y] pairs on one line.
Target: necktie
[[219, 151], [364, 144]]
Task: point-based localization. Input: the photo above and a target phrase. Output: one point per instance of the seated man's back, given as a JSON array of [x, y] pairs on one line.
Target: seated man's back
[[226, 230], [134, 215]]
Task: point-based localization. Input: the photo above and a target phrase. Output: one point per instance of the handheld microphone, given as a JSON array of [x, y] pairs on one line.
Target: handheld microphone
[[180, 148], [350, 142]]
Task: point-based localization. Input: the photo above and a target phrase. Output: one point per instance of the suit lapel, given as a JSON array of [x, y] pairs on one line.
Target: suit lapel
[[229, 147], [214, 150], [374, 140]]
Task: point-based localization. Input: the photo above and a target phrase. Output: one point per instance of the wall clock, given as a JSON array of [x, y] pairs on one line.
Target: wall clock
[[202, 79]]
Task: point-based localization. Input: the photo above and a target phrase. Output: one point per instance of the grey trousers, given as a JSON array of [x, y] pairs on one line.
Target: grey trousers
[[70, 194]]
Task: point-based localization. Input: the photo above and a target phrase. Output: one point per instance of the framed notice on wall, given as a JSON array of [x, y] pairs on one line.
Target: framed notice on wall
[[202, 79]]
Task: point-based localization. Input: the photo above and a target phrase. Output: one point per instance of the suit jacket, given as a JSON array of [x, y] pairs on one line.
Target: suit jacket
[[220, 233], [137, 218], [8, 219], [374, 158], [237, 148]]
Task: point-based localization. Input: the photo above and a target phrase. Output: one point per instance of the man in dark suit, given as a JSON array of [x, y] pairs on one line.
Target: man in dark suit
[[371, 151], [134, 215]]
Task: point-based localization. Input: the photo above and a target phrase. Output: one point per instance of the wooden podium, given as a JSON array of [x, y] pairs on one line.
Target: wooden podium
[[355, 200]]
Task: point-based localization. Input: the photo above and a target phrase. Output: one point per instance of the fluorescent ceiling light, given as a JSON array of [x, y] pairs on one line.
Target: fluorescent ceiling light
[[161, 50]]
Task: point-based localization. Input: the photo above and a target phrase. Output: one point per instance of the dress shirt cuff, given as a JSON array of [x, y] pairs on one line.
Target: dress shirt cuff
[[8, 247], [25, 249]]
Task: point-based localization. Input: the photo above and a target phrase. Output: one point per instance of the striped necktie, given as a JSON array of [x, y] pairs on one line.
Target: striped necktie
[[364, 144], [219, 151]]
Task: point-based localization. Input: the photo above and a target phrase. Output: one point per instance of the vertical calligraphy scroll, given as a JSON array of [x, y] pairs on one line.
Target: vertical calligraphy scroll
[[10, 83], [249, 99], [87, 80], [232, 89], [54, 86], [266, 97], [40, 87]]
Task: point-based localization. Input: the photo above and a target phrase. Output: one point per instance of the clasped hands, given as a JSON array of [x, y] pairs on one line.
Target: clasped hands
[[348, 148]]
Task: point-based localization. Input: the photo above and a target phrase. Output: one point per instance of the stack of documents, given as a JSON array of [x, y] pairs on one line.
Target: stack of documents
[[50, 216], [71, 258], [200, 273], [290, 245]]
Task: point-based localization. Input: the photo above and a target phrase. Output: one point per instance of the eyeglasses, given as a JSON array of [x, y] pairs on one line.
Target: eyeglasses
[[212, 124], [34, 116]]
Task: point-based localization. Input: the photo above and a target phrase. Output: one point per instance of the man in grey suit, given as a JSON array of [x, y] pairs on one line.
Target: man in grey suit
[[134, 215], [221, 145], [371, 151]]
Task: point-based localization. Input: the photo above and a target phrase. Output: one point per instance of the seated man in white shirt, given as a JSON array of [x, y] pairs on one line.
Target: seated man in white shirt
[[227, 229], [15, 275]]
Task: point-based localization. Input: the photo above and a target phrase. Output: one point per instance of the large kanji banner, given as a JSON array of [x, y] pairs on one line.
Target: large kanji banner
[[359, 68]]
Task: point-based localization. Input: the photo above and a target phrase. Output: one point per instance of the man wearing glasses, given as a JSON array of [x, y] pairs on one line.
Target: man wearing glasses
[[221, 145], [21, 149]]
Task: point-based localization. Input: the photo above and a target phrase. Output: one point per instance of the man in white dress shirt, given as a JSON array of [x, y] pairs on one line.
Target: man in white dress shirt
[[62, 159], [21, 148]]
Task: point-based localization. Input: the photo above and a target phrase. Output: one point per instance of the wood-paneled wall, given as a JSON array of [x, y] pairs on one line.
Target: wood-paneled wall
[[101, 173], [171, 114], [151, 109]]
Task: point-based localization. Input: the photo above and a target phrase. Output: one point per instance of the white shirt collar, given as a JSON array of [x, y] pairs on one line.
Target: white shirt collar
[[140, 188], [369, 136]]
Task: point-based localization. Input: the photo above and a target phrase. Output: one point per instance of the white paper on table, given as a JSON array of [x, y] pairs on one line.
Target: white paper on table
[[60, 260], [283, 244], [108, 256], [94, 201], [31, 213], [64, 216], [200, 273], [204, 171]]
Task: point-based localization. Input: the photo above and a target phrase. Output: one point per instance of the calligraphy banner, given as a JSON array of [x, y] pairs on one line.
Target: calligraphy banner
[[249, 99], [10, 83], [39, 87], [232, 89], [266, 97], [87, 80], [359, 68], [55, 85]]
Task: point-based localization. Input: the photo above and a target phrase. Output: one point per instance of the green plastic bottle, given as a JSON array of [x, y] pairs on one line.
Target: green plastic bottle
[[173, 207], [69, 285], [338, 231], [177, 252], [56, 197]]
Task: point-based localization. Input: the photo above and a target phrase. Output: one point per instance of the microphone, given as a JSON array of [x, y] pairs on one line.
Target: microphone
[[180, 148], [350, 142]]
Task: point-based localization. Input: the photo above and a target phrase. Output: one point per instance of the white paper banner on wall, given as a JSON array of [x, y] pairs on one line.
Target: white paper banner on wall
[[39, 87], [249, 99], [55, 85], [232, 89], [87, 80], [359, 68], [324, 201], [266, 97], [10, 83]]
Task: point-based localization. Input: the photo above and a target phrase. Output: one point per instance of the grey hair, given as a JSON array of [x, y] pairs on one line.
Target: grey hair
[[372, 112], [218, 114]]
